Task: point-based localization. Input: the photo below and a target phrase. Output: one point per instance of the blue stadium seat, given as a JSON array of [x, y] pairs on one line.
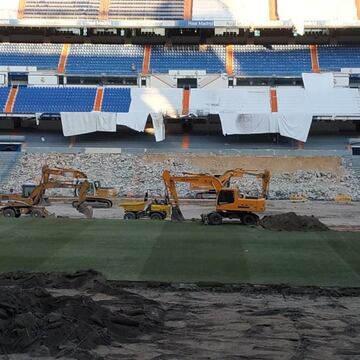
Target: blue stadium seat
[[188, 57], [283, 60], [54, 99], [336, 57], [116, 100], [43, 56], [105, 59], [4, 93]]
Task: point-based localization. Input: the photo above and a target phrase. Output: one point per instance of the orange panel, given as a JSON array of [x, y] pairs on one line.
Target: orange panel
[[186, 102], [21, 8], [273, 10], [273, 100], [358, 8], [188, 8], [98, 99], [146, 62], [63, 58], [11, 99], [314, 59], [104, 9], [230, 59]]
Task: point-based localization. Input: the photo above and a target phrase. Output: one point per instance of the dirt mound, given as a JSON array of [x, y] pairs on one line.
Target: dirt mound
[[45, 322], [292, 222]]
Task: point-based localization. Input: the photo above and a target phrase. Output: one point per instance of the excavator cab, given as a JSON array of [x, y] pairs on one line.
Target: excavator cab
[[27, 189]]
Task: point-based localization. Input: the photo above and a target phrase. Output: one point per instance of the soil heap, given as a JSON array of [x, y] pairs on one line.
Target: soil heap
[[36, 321], [292, 222]]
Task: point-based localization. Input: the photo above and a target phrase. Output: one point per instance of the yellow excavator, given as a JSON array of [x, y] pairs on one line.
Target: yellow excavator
[[230, 202], [15, 205]]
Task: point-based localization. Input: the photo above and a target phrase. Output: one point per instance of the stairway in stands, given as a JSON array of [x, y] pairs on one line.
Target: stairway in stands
[[8, 160], [355, 160]]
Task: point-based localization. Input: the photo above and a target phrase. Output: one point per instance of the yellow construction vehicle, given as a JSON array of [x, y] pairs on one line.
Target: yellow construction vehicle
[[230, 203], [154, 209], [15, 205]]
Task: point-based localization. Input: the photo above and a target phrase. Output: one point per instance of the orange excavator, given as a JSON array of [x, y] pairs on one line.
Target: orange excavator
[[15, 205], [230, 202]]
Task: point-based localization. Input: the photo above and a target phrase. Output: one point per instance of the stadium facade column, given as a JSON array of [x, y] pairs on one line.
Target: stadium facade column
[[99, 99], [358, 8], [63, 58], [11, 99], [315, 66], [230, 60], [273, 10], [146, 60], [21, 9], [188, 9], [104, 9]]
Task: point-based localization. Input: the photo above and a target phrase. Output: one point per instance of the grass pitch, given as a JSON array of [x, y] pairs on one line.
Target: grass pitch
[[191, 252]]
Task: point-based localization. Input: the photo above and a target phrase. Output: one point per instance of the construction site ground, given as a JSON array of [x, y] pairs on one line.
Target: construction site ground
[[337, 216]]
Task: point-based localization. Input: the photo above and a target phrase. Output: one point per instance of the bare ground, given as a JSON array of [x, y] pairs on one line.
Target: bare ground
[[199, 322]]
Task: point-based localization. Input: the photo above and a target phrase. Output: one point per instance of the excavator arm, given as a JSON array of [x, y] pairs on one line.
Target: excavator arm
[[199, 180]]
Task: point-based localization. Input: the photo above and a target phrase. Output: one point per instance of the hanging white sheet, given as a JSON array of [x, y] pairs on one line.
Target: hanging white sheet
[[83, 123], [159, 127], [133, 120], [295, 126]]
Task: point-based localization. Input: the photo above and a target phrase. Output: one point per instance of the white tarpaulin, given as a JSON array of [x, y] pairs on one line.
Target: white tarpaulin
[[295, 126], [318, 82], [84, 123], [159, 127], [134, 120]]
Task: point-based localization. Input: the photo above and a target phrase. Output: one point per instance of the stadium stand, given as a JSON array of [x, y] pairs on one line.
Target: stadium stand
[[4, 94], [147, 9], [40, 9], [337, 57], [54, 99], [45, 56], [107, 59], [276, 60], [248, 60], [116, 100], [187, 57]]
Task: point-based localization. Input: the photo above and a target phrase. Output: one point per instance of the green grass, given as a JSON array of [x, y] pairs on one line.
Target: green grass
[[190, 252]]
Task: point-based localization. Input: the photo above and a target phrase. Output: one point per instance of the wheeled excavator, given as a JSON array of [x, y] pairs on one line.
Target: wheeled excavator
[[15, 205], [230, 203]]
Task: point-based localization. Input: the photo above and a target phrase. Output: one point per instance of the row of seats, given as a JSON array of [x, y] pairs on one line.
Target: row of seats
[[118, 9], [251, 60], [53, 100]]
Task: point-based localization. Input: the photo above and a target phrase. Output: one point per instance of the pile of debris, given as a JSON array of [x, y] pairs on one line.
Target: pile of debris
[[133, 174], [36, 320], [292, 222]]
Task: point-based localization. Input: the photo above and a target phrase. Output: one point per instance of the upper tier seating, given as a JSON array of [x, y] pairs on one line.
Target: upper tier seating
[[147, 9], [54, 99], [337, 57], [4, 94], [43, 56], [116, 100], [188, 57], [107, 59], [279, 60], [59, 9]]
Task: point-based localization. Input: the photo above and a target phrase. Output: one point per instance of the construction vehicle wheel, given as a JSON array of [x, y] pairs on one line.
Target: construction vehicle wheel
[[214, 218], [156, 216], [37, 213], [130, 216], [9, 213], [108, 204], [249, 219]]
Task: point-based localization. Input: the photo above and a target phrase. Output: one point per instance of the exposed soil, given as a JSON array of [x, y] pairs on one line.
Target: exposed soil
[[292, 222], [83, 316]]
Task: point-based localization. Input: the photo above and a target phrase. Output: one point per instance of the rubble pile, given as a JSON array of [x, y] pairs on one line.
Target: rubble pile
[[292, 222], [134, 174], [36, 321]]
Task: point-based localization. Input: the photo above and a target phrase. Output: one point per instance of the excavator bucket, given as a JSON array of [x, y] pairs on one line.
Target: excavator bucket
[[176, 214], [86, 210]]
